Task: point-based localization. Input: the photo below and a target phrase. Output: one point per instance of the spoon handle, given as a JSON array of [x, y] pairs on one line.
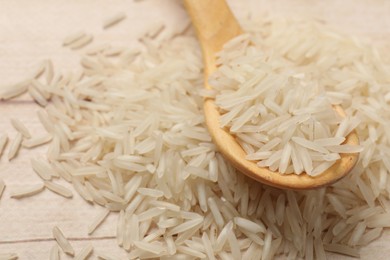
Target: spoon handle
[[214, 24]]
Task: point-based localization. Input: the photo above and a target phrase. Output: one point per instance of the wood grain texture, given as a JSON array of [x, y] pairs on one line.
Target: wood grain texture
[[33, 30]]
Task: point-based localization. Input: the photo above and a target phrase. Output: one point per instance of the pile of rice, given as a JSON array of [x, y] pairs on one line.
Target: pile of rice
[[276, 104], [128, 132]]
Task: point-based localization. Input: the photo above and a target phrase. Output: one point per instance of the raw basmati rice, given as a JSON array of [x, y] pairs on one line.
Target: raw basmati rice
[[42, 168], [99, 48], [249, 225], [62, 241], [3, 143], [113, 20], [15, 146], [54, 253], [82, 191], [20, 127], [49, 73], [81, 42], [84, 253], [8, 256], [98, 220], [190, 252], [39, 70], [26, 191], [128, 133], [113, 51], [36, 141], [293, 121], [71, 38], [37, 96], [15, 90], [2, 187], [59, 189], [106, 256]]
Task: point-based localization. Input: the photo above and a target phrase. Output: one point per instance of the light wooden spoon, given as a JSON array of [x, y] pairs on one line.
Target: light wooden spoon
[[215, 25]]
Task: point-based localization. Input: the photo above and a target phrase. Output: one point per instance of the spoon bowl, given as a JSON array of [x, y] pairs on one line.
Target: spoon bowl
[[215, 25]]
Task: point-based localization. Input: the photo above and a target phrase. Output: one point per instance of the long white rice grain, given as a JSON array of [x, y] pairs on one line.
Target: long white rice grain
[[380, 220], [149, 247], [40, 69], [196, 244], [153, 236], [171, 246], [342, 249], [166, 205], [369, 236], [95, 194], [113, 20], [346, 148], [249, 225], [42, 168], [190, 252], [82, 190], [366, 192], [337, 204], [106, 256], [37, 141], [27, 191], [84, 253], [285, 158], [215, 211], [150, 213], [71, 38], [319, 249], [59, 189], [120, 227], [3, 143], [15, 146], [321, 168], [20, 127], [133, 205], [113, 51], [155, 30], [9, 256], [45, 120], [330, 141], [2, 187], [310, 145], [98, 221], [111, 196], [357, 234], [168, 223], [190, 224], [81, 42], [49, 71], [234, 246], [54, 253], [255, 238], [98, 48], [207, 245], [150, 192], [15, 90], [303, 158], [62, 241]]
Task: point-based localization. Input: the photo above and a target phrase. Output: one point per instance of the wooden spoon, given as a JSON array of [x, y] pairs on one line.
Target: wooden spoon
[[215, 25]]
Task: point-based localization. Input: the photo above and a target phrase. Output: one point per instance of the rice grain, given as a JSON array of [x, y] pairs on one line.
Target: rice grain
[[26, 191], [62, 241], [98, 221], [113, 20], [15, 146]]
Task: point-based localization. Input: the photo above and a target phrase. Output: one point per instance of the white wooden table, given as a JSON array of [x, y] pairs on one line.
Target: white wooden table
[[33, 30]]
